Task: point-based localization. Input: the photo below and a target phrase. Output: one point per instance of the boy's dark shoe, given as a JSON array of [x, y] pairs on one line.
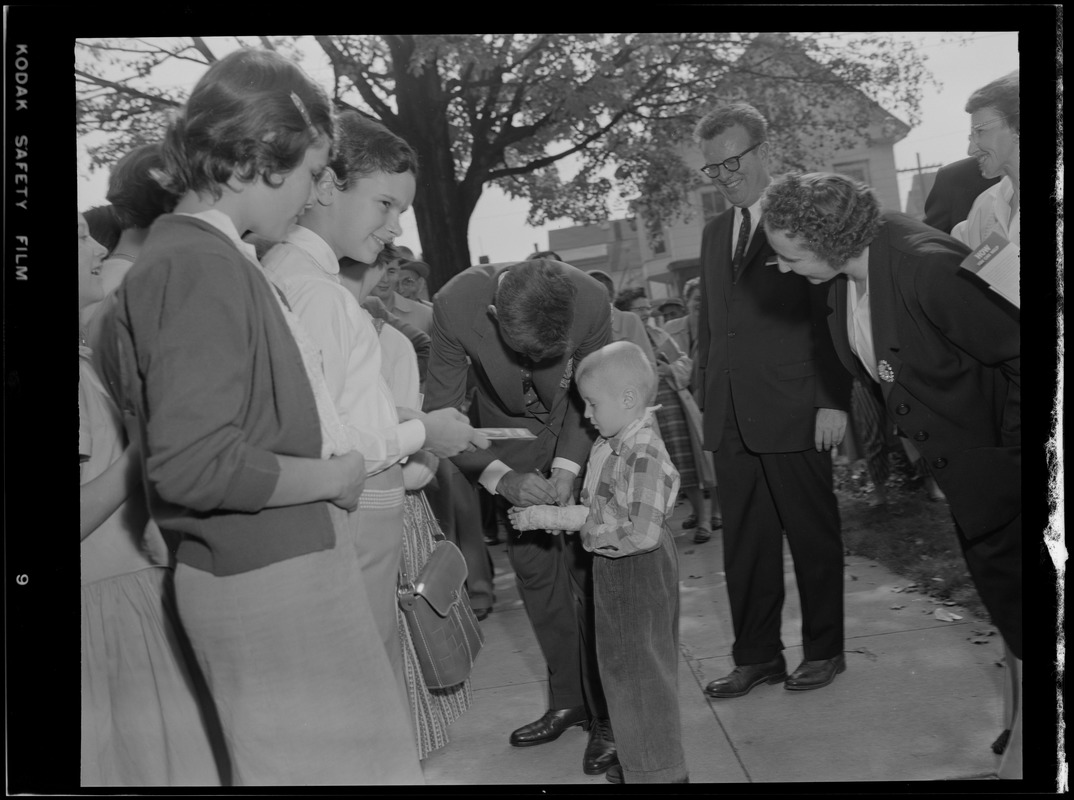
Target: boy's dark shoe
[[600, 752], [615, 774]]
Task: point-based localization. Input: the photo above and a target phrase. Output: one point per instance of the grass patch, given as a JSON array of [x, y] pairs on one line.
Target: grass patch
[[912, 535]]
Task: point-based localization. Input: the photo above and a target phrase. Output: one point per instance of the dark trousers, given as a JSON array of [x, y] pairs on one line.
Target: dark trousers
[[763, 496], [456, 504], [555, 580], [638, 646], [995, 564]]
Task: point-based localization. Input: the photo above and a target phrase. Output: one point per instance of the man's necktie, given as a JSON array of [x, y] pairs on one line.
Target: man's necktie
[[743, 241]]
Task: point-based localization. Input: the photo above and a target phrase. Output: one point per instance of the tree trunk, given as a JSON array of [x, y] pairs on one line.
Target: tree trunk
[[442, 204], [443, 227]]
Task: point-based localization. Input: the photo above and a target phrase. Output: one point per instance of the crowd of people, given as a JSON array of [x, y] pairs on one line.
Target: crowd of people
[[275, 420]]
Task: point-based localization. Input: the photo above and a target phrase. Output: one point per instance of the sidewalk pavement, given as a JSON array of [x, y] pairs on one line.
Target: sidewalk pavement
[[919, 701]]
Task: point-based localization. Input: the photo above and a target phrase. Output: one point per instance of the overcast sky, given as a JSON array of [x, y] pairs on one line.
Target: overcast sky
[[498, 226]]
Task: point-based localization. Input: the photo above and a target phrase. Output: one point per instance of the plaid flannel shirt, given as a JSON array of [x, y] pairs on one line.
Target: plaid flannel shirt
[[631, 488]]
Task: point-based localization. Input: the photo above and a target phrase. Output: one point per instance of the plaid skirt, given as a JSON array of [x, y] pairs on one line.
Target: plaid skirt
[[432, 710], [676, 435]]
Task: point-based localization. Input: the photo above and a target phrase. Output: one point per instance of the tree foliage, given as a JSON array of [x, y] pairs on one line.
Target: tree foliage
[[521, 110]]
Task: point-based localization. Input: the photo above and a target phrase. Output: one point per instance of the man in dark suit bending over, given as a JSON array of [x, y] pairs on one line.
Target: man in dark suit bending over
[[521, 328], [774, 397]]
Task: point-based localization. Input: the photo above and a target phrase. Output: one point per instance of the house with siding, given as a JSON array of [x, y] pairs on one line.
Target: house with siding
[[613, 246]]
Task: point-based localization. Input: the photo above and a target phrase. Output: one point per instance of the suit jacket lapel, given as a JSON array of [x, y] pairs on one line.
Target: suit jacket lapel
[[882, 297], [755, 245], [837, 324], [722, 245], [548, 382]]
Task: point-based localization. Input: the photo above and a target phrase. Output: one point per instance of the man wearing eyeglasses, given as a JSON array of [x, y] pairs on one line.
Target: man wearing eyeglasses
[[774, 397]]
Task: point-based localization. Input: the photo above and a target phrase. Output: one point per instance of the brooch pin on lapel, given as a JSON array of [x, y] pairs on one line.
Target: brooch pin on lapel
[[886, 372]]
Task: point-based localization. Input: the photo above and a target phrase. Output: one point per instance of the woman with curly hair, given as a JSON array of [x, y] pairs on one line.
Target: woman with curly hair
[[945, 350]]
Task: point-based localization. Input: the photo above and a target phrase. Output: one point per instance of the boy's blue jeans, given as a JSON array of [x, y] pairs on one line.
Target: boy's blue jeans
[[637, 631]]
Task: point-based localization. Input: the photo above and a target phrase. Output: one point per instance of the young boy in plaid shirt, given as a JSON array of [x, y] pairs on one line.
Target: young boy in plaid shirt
[[629, 495]]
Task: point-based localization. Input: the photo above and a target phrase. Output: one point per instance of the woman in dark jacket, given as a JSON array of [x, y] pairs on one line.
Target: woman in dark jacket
[[945, 349]]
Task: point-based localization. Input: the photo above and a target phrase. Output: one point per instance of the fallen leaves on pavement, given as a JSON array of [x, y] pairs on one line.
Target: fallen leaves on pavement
[[944, 615]]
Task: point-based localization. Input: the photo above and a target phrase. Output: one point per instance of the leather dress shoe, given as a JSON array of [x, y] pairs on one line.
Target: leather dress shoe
[[743, 678], [600, 753], [550, 726], [815, 674]]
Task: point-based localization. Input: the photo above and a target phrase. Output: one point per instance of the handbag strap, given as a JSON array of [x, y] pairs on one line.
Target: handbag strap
[[437, 531], [405, 584]]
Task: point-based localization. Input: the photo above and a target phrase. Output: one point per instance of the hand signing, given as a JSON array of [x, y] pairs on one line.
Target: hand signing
[[527, 489]]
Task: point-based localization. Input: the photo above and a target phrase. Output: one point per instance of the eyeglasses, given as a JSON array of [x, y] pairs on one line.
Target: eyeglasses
[[975, 130], [408, 281], [643, 310], [731, 164]]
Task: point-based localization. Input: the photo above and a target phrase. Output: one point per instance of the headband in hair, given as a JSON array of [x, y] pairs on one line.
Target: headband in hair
[[302, 110]]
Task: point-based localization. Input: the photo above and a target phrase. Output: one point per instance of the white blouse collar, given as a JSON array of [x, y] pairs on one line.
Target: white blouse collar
[[314, 244]]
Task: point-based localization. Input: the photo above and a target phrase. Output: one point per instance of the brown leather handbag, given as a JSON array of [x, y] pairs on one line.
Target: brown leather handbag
[[447, 636]]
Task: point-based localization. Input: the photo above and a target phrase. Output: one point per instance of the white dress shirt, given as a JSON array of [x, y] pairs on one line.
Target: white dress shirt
[[860, 328], [991, 212], [755, 220]]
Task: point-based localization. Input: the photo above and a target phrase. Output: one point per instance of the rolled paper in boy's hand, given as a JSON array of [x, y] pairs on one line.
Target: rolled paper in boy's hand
[[550, 518]]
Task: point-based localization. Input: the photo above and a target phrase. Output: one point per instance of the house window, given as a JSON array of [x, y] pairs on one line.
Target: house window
[[712, 203], [858, 170]]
